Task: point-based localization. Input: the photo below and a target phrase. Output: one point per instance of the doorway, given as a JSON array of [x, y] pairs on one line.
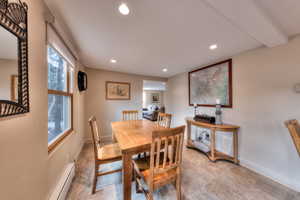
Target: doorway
[[153, 99]]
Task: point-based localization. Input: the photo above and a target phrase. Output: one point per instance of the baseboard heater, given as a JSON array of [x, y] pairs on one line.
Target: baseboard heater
[[62, 188]]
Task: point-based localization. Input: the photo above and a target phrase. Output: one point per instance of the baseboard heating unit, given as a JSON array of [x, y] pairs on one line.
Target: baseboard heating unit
[[61, 190]]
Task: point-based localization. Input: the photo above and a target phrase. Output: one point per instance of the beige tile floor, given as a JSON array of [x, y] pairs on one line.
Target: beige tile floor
[[202, 180]]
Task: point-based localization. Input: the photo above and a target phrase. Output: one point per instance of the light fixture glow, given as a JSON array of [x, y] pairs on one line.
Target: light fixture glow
[[213, 46], [113, 60], [123, 9], [165, 70]]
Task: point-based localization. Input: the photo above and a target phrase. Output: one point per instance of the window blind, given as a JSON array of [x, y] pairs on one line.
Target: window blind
[[56, 42]]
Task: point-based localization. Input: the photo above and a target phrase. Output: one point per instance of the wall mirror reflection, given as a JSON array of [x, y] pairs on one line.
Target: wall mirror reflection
[[8, 66], [14, 85]]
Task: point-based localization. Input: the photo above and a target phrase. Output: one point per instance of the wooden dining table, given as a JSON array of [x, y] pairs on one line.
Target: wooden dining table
[[134, 137]]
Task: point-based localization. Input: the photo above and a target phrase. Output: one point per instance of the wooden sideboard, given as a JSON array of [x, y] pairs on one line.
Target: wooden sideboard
[[213, 154]]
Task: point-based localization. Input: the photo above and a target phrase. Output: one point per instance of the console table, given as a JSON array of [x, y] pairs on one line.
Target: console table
[[213, 154]]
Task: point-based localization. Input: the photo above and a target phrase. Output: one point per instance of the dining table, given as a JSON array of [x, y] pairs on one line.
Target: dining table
[[133, 137]]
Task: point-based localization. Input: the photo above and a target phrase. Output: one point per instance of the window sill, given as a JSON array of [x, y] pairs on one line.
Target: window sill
[[59, 140]]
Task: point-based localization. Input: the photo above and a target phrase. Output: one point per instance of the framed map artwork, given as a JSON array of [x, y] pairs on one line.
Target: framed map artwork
[[210, 83]]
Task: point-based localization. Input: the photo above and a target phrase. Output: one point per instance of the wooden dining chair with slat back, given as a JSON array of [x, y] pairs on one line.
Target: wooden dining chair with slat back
[[128, 115], [164, 120], [103, 154], [294, 129], [163, 167]]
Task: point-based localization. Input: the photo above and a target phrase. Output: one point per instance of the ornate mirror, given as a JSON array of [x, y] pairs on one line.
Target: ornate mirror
[[14, 94]]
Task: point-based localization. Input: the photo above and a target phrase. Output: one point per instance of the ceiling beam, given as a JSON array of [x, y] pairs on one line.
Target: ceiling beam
[[250, 18]]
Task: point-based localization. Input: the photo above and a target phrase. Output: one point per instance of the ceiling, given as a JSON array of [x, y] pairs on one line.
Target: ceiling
[[154, 85], [9, 45], [173, 34]]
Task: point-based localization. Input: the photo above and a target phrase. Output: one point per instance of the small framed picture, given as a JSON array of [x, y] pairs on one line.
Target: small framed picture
[[155, 97], [117, 90], [14, 88]]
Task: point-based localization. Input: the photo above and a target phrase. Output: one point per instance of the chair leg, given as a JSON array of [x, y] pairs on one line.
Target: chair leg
[[178, 187], [150, 192], [150, 195], [174, 184], [137, 184], [95, 179]]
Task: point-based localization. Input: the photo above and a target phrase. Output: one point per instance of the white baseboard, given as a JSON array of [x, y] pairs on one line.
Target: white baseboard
[[275, 176], [62, 188]]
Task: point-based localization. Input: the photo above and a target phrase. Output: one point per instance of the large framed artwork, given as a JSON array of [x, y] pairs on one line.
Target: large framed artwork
[[210, 83], [117, 90]]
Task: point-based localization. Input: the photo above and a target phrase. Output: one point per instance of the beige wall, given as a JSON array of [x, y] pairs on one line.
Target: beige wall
[[27, 171], [7, 69], [263, 99], [107, 111], [23, 139], [148, 98]]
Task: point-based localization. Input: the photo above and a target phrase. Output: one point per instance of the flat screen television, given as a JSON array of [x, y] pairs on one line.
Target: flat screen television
[[82, 81]]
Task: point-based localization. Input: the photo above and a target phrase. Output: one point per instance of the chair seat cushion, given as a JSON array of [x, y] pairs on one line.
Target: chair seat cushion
[[143, 164], [161, 178], [110, 151]]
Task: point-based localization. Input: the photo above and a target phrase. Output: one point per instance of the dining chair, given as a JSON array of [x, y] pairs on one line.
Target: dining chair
[[128, 115], [164, 120], [163, 166], [294, 129], [104, 154]]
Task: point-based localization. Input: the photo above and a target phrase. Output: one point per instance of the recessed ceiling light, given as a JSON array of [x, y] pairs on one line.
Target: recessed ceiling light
[[113, 60], [123, 8], [213, 46], [165, 70]]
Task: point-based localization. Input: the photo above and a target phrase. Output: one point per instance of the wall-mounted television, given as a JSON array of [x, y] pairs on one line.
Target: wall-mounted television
[[82, 81]]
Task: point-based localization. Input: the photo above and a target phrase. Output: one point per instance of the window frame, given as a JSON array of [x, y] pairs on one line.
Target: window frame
[[69, 93]]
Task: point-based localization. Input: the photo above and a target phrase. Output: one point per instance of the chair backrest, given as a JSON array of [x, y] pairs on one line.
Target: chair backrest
[[294, 129], [130, 115], [95, 134], [166, 150], [164, 120]]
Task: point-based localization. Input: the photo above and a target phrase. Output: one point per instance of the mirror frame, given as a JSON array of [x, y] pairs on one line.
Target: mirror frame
[[13, 17]]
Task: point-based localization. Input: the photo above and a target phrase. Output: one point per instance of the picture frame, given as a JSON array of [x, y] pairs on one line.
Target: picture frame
[[155, 97], [14, 88], [210, 83], [118, 90]]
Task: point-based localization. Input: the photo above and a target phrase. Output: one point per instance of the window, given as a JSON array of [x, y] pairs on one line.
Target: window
[[60, 97]]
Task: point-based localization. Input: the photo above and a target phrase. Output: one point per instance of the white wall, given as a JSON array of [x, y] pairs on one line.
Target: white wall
[[7, 69], [107, 111], [263, 99], [148, 98], [27, 171]]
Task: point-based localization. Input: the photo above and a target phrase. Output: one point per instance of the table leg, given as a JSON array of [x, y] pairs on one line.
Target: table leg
[[188, 142], [127, 176], [213, 144], [113, 138], [235, 147]]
